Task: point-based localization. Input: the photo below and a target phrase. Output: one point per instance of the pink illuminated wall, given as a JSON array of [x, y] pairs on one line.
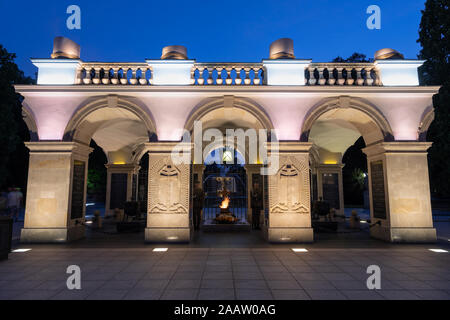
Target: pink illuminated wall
[[170, 109]]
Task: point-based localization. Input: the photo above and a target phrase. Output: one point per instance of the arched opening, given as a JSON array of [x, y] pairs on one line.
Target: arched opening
[[116, 186], [219, 177], [339, 174], [237, 173]]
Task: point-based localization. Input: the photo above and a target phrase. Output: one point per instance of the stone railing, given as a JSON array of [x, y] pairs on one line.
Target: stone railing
[[227, 74], [342, 74], [114, 74], [230, 74]]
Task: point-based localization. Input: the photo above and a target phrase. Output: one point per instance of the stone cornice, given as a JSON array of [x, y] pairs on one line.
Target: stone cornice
[[397, 147], [59, 147], [111, 89], [289, 147]]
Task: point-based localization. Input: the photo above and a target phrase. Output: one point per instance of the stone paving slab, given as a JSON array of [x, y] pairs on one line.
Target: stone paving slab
[[186, 273]]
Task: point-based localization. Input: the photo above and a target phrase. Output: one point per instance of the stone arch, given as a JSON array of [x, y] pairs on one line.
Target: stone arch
[[228, 102], [30, 121], [344, 102], [111, 101], [425, 123], [118, 126]]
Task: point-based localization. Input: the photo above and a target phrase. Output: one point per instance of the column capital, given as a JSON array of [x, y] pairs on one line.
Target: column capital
[[198, 167], [289, 147], [168, 146], [59, 147], [128, 167], [397, 147], [330, 167], [252, 167]]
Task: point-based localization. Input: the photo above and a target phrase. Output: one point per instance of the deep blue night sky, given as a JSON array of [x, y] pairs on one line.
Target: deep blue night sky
[[232, 30]]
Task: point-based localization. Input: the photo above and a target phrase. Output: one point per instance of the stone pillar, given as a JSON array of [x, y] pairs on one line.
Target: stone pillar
[[289, 195], [198, 169], [168, 218], [56, 192], [335, 170], [399, 192], [119, 185], [250, 170]]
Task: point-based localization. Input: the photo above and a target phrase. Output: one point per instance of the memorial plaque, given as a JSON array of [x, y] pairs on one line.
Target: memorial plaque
[[330, 187], [314, 188], [78, 190], [134, 188], [118, 190], [266, 196], [378, 192]]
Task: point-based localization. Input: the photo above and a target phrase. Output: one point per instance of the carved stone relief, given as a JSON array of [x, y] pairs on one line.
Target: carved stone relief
[[168, 186], [289, 188]]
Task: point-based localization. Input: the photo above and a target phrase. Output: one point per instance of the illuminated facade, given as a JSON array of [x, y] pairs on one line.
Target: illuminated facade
[[317, 109]]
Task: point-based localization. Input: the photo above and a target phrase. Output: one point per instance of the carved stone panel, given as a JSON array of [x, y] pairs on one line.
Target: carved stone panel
[[78, 181], [289, 188], [168, 186], [378, 189]]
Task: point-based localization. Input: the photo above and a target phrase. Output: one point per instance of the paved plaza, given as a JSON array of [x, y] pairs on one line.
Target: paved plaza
[[198, 271]]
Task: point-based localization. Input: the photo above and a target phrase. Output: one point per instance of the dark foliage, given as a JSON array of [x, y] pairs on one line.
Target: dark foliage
[[13, 130], [434, 36], [355, 165]]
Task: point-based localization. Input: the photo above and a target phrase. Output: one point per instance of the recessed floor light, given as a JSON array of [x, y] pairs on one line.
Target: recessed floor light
[[438, 250], [160, 249], [299, 250], [21, 250]]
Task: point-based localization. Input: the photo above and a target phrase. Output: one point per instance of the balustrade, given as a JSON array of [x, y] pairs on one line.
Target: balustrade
[[331, 74], [228, 74], [115, 74]]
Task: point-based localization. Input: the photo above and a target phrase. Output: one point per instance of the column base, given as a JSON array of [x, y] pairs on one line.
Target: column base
[[52, 235], [168, 235], [290, 235], [404, 235]]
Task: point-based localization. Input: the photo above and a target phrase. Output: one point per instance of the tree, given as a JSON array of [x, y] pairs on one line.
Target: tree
[[355, 165], [434, 37], [355, 57], [11, 121], [96, 183]]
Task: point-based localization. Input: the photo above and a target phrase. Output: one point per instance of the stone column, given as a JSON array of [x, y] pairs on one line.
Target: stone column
[[250, 170], [168, 218], [198, 169], [119, 176], [289, 195], [399, 192], [56, 192], [326, 169]]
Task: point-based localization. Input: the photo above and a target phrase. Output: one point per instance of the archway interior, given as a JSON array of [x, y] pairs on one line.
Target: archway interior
[[118, 134], [233, 118], [335, 133], [224, 169], [221, 119]]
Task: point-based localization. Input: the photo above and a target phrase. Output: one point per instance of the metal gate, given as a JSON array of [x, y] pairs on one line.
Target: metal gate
[[238, 192]]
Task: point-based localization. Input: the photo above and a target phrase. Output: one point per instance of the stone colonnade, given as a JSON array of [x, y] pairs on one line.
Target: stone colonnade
[[398, 187]]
